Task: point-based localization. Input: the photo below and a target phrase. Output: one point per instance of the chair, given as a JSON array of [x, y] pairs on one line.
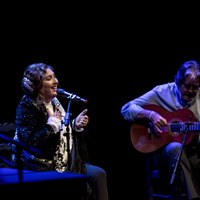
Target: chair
[[5, 155], [158, 184], [7, 133]]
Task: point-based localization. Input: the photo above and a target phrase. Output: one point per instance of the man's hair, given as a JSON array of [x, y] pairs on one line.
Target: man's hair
[[181, 73]]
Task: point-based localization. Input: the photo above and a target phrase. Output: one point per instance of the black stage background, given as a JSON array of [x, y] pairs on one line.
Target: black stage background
[[106, 56]]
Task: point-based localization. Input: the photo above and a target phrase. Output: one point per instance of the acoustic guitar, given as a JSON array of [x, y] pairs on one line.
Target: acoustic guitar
[[145, 139]]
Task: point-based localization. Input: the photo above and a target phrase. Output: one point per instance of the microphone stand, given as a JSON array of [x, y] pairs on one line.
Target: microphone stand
[[67, 134], [179, 154], [19, 163]]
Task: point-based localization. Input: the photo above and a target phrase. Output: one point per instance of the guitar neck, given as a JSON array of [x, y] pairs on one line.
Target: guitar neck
[[184, 126]]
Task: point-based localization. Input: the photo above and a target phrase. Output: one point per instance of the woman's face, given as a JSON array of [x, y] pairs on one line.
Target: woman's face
[[49, 87]]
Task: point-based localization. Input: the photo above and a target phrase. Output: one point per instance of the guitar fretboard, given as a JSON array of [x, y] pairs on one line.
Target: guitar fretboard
[[184, 126]]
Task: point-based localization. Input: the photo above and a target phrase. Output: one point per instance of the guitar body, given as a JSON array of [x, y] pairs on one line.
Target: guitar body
[[146, 140]]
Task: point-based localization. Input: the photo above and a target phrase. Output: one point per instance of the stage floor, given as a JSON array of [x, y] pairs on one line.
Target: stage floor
[[15, 182]]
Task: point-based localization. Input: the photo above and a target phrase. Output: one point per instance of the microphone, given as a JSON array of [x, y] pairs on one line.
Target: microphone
[[72, 96]]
